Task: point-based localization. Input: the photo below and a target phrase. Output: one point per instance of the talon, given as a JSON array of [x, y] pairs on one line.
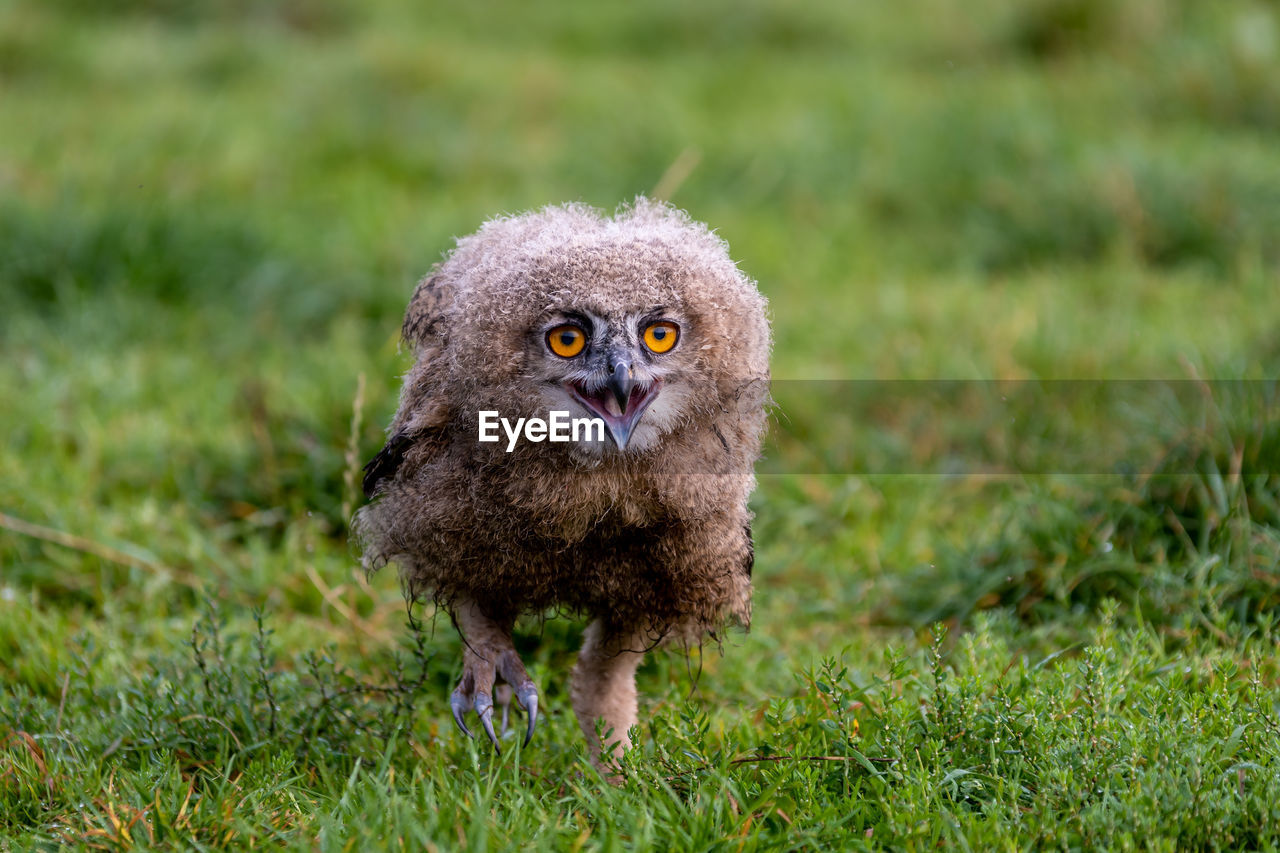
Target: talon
[[527, 695], [458, 702], [484, 710], [487, 722]]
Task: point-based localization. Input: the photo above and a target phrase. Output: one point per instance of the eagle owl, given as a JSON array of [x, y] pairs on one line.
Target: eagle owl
[[639, 322]]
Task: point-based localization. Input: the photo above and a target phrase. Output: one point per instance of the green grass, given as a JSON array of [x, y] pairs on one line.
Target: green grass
[[1040, 621]]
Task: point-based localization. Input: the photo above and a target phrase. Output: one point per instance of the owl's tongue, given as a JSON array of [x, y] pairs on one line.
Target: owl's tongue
[[611, 405]]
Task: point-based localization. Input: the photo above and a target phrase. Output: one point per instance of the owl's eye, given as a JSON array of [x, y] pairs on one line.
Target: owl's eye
[[566, 341], [660, 337]]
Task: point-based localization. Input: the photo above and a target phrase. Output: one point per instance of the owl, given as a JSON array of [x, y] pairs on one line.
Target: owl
[[576, 435]]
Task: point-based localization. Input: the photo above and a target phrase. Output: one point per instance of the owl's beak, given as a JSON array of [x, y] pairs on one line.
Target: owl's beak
[[622, 379], [620, 403]]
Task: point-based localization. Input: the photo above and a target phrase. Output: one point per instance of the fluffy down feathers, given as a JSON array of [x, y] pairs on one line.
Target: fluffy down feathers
[[658, 537]]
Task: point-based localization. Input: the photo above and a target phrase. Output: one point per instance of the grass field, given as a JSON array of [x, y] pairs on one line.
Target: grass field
[[212, 214]]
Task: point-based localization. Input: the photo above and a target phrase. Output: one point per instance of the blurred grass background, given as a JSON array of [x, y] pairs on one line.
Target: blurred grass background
[[212, 214]]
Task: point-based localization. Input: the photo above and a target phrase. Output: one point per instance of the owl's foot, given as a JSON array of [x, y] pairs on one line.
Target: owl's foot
[[475, 691]]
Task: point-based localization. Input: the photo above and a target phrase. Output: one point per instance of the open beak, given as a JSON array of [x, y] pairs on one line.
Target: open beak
[[620, 403]]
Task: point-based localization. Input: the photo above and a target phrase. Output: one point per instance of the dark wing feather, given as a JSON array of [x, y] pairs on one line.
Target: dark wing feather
[[750, 562], [384, 465]]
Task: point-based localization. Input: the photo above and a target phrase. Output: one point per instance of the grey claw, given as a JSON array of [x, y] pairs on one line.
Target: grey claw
[[484, 710], [506, 712], [527, 695], [458, 703], [487, 722]]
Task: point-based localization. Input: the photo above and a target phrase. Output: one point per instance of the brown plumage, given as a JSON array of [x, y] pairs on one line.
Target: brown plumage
[[646, 532]]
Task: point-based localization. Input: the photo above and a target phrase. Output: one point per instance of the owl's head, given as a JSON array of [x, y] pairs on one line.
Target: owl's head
[[626, 368], [641, 320]]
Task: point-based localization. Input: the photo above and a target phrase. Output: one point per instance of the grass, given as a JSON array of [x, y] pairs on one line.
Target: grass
[[1035, 610]]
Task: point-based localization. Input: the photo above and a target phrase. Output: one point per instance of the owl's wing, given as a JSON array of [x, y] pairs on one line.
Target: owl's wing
[[423, 408], [384, 465]]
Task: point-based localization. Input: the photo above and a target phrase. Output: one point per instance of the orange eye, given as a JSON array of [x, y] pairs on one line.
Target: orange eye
[[566, 341], [662, 336]]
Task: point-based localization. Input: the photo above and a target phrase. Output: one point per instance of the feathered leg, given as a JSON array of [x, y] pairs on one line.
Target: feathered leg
[[487, 655], [604, 687]]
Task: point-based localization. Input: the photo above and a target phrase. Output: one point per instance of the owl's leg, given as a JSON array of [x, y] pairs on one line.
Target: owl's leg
[[487, 655], [604, 687]]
